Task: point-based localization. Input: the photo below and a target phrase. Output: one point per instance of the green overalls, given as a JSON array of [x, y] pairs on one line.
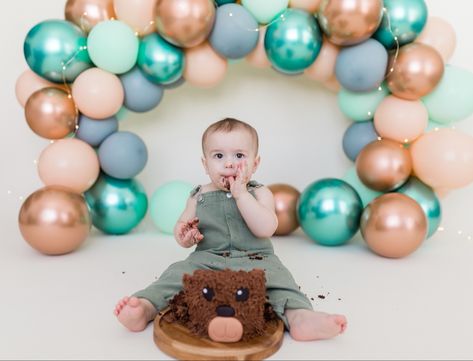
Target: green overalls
[[228, 243]]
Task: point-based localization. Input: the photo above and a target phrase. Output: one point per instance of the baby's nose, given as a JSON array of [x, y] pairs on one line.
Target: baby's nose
[[228, 164]]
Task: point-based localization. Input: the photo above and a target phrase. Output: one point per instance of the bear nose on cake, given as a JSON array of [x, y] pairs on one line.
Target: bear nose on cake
[[225, 311]]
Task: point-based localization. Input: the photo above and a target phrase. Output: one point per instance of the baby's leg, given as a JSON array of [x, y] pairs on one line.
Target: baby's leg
[[135, 313], [308, 325]]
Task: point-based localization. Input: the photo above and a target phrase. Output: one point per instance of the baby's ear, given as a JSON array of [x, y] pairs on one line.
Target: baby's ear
[[204, 163], [256, 163]]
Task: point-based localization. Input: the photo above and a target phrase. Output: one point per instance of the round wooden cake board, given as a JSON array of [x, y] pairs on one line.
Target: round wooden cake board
[[178, 342]]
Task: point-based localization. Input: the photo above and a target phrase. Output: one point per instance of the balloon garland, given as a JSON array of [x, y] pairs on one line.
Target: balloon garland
[[387, 61]]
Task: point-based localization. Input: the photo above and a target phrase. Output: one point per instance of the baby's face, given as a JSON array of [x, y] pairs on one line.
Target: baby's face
[[224, 151]]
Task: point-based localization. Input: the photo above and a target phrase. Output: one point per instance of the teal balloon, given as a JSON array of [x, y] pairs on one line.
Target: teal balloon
[[161, 62], [57, 50], [167, 204], [223, 2], [116, 205], [293, 41], [425, 196], [329, 211], [113, 46], [451, 100], [360, 106], [404, 19], [366, 194]]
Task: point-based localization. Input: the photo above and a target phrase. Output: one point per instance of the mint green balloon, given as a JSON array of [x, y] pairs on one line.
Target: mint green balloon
[[425, 196], [360, 106], [265, 11], [329, 211], [116, 205], [113, 46], [434, 125], [366, 194], [452, 98], [161, 62], [167, 204]]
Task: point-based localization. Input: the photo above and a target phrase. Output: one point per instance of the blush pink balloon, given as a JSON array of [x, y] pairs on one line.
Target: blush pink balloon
[[400, 119], [204, 68], [97, 93], [332, 84], [323, 68], [258, 57], [29, 82], [311, 6], [443, 158], [70, 163], [440, 35], [138, 14]]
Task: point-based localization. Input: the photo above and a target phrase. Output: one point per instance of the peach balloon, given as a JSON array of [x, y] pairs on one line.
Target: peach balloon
[[440, 35], [258, 57], [51, 113], [70, 163], [204, 68], [332, 84], [393, 225], [323, 68], [311, 6], [88, 13], [383, 165], [285, 201], [401, 120], [29, 82], [54, 220], [97, 93], [138, 14], [443, 158], [415, 72]]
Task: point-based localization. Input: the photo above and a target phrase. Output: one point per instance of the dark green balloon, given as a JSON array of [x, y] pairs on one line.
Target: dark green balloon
[[329, 211], [116, 205], [425, 196], [293, 41], [223, 2], [57, 50]]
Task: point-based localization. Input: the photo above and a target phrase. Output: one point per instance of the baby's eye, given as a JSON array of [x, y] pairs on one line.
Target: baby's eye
[[218, 155], [240, 155]]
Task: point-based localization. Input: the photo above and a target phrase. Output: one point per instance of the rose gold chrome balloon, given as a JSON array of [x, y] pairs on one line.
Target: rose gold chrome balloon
[[87, 13], [348, 22], [51, 113], [285, 200], [415, 71], [393, 225], [54, 220], [185, 23], [383, 165]]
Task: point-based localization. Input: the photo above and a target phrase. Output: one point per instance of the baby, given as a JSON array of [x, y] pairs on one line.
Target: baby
[[230, 220]]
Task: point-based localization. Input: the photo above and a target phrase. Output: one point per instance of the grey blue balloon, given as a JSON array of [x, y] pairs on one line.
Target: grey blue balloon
[[123, 155], [362, 67], [160, 61], [404, 19], [116, 206], [57, 50], [94, 131], [141, 95], [293, 41], [329, 211], [356, 136], [235, 31], [425, 196]]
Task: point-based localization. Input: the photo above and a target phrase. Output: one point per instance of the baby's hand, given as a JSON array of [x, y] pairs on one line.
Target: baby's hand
[[188, 233], [242, 177]]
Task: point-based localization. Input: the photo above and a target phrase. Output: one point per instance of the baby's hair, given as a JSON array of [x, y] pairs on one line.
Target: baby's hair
[[227, 125]]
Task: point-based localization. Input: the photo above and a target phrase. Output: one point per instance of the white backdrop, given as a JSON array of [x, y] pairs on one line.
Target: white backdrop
[[60, 307]]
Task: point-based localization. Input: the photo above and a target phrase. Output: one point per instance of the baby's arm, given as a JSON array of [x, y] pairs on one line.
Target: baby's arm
[[186, 232]]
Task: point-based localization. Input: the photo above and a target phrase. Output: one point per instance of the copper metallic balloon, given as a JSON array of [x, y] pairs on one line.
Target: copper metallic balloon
[[348, 22], [415, 71], [384, 165], [393, 225], [185, 23], [54, 220], [285, 200], [87, 13], [51, 113]]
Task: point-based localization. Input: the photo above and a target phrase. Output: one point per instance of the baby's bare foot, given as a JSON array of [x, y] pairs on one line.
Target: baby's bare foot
[[134, 313], [306, 325]]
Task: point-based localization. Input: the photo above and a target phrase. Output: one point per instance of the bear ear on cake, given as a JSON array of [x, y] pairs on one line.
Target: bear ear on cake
[[258, 274]]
